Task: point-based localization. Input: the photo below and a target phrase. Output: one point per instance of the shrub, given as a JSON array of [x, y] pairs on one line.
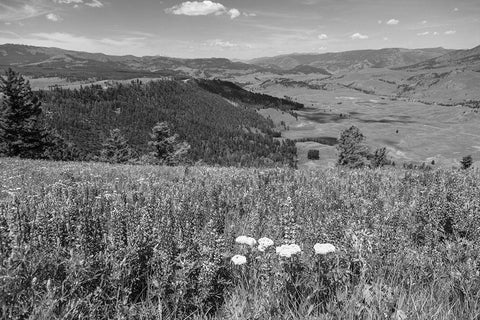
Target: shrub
[[313, 154]]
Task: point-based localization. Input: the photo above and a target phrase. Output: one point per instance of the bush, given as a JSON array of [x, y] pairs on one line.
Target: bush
[[313, 154]]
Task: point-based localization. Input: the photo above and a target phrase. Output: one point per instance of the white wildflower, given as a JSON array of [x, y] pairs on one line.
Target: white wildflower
[[324, 248], [287, 250], [246, 240], [264, 243], [239, 259]]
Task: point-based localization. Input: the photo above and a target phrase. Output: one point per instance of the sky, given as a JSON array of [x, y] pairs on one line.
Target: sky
[[240, 29]]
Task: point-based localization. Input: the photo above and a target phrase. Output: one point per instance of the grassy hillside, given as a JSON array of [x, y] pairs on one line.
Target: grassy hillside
[[218, 131], [87, 240]]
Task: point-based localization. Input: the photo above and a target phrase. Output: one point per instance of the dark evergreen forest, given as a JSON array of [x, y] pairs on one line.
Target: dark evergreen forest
[[218, 132]]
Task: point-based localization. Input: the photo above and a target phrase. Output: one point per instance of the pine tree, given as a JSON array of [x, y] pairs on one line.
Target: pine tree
[[116, 148], [351, 150], [21, 130], [167, 149]]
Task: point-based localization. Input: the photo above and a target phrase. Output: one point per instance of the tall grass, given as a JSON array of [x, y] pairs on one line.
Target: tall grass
[[96, 241]]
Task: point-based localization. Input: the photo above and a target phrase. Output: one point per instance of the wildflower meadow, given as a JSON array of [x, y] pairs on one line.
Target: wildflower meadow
[[100, 241]]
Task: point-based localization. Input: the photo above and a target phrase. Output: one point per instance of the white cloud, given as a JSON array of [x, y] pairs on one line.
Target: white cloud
[[53, 17], [436, 33], [379, 21], [246, 14], [322, 48], [322, 36], [202, 8], [358, 36], [68, 1], [221, 43], [233, 13], [196, 8], [393, 22], [424, 22], [385, 39], [94, 4], [456, 9], [426, 33], [450, 32]]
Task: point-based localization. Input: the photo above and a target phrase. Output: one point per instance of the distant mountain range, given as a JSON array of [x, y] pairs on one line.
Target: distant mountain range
[[42, 61], [353, 60], [59, 62]]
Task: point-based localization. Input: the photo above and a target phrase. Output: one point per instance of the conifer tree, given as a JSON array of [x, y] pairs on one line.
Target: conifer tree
[[21, 130], [167, 149], [351, 150], [116, 148]]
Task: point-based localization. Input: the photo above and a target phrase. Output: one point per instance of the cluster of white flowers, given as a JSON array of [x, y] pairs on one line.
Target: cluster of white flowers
[[246, 240], [324, 248], [287, 250], [239, 259], [264, 243]]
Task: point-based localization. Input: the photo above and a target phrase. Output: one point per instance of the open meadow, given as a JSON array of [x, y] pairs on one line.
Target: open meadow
[[412, 131], [99, 241]]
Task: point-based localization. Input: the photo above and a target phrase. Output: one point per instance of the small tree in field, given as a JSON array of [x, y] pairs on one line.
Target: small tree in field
[[351, 150], [313, 154], [21, 130], [379, 158], [116, 148], [167, 149], [466, 162]]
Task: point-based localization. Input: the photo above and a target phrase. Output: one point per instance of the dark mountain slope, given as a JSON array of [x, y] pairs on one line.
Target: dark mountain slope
[[236, 93], [218, 132]]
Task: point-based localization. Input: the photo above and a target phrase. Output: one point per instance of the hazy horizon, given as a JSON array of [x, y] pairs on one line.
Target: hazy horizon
[[239, 30]]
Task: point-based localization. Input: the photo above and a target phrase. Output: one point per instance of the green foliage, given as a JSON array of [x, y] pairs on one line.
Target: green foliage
[[21, 130], [116, 148], [166, 147], [99, 241], [313, 154], [352, 152], [466, 162], [379, 158], [218, 132], [236, 93]]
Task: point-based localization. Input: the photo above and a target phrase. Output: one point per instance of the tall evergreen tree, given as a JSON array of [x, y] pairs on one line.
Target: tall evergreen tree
[[167, 149], [352, 152], [21, 130], [116, 148]]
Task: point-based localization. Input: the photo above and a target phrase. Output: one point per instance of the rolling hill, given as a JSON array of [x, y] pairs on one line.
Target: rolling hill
[[55, 62], [352, 60]]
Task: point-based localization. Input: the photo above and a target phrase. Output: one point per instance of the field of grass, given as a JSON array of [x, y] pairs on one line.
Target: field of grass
[[426, 132], [99, 241]]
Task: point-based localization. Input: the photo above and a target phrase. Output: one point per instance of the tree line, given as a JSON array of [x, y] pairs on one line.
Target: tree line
[[130, 121]]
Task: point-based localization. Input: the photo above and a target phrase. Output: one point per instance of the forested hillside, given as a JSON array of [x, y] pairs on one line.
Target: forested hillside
[[217, 131], [236, 93]]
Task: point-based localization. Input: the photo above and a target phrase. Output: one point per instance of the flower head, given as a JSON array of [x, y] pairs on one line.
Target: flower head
[[264, 243], [324, 248], [287, 250], [238, 259], [246, 240]]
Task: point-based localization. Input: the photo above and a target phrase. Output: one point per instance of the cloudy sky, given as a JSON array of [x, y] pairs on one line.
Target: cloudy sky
[[240, 29]]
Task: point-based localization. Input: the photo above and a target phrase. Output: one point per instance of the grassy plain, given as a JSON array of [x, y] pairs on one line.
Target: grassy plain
[[426, 132], [99, 241]]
